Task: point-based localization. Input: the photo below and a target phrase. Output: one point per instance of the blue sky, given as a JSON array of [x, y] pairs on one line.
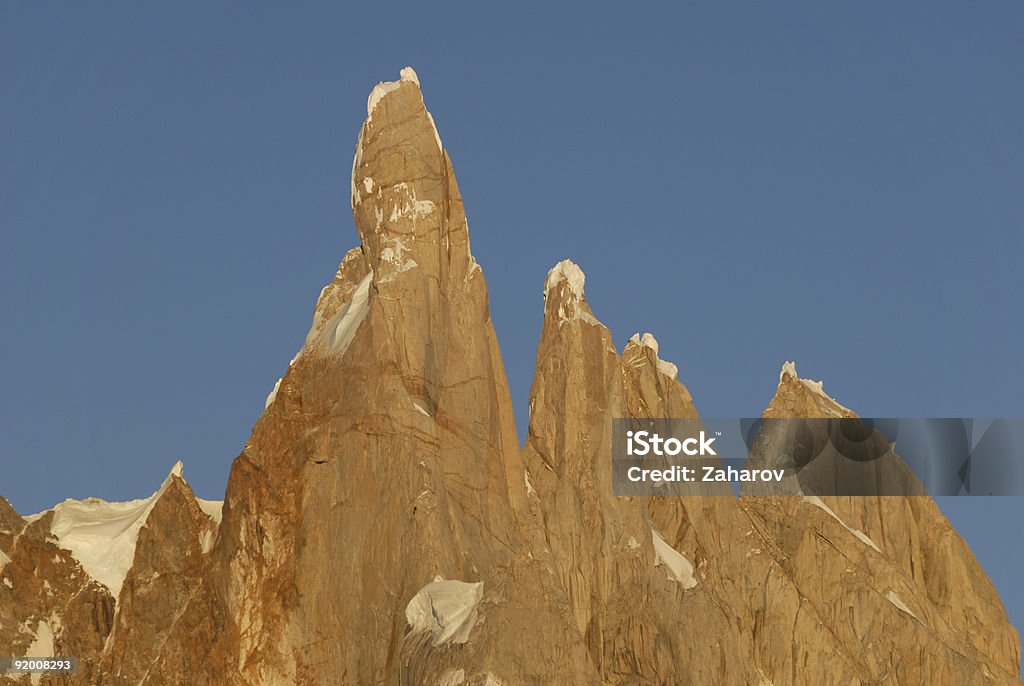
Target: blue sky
[[835, 183]]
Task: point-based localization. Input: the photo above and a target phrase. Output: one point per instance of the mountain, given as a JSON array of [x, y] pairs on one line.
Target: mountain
[[382, 524]]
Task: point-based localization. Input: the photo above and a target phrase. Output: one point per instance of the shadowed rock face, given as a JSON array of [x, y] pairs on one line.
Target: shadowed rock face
[[383, 526]]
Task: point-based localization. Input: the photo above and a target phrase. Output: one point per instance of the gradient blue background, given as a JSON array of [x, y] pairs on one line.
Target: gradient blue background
[[835, 183]]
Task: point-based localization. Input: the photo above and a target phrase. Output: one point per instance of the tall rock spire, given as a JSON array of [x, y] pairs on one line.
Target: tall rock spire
[[387, 461], [634, 595]]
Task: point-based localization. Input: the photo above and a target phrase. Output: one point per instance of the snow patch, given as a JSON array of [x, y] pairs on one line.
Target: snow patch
[[420, 409], [649, 341], [101, 535], [491, 680], [447, 609], [681, 568], [393, 253], [894, 598], [668, 369], [422, 208], [272, 396], [409, 206], [212, 508], [206, 540], [42, 643], [338, 333], [368, 184], [861, 536], [3, 560]]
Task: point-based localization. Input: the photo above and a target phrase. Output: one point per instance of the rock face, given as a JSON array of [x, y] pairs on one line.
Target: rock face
[[382, 524]]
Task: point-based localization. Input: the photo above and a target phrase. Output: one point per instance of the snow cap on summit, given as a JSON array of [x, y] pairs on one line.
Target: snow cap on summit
[[409, 74], [788, 369], [567, 271]]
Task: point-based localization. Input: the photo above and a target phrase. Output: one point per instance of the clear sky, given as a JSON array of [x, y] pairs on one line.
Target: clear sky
[[838, 184]]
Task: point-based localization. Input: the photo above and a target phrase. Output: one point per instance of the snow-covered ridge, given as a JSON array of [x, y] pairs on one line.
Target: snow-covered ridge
[[447, 609], [102, 535], [815, 387]]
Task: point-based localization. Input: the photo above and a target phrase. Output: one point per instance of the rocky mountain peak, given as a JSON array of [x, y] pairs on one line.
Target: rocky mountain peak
[[406, 202], [564, 297], [382, 524], [647, 346], [798, 397]]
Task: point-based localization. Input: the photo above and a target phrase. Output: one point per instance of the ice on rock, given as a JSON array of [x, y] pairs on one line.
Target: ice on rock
[[668, 369], [447, 609], [530, 490], [272, 396], [649, 341], [409, 74], [437, 136]]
